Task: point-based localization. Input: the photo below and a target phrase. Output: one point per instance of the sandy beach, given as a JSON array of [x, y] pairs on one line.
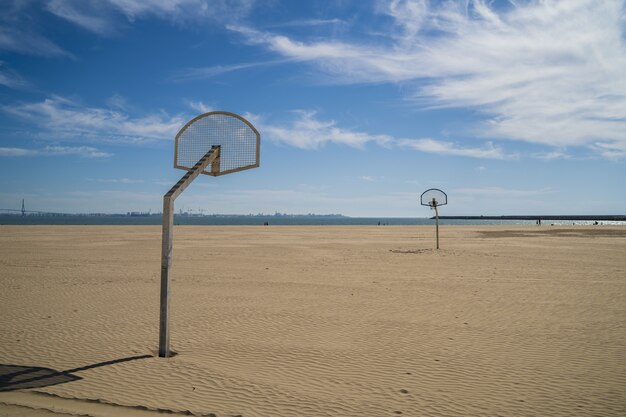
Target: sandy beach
[[315, 321]]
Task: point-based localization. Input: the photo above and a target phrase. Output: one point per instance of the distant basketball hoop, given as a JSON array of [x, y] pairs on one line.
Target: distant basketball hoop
[[214, 143], [434, 198]]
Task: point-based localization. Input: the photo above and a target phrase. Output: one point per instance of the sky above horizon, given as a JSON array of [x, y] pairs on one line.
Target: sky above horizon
[[510, 107]]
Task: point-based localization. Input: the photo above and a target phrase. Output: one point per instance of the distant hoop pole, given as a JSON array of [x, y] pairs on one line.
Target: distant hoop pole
[[166, 248], [434, 198], [436, 223]]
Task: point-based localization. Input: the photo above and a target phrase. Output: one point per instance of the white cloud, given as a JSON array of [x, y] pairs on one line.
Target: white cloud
[[17, 152], [410, 17], [102, 16], [115, 180], [611, 150], [200, 73], [185, 9], [63, 118], [199, 106], [83, 151], [20, 29], [118, 101], [555, 154], [11, 79], [308, 132], [368, 178], [347, 62], [18, 35], [90, 15], [209, 72], [546, 72], [449, 148], [308, 22]]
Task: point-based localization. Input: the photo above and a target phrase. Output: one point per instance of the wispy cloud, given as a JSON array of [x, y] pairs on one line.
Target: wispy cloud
[[555, 154], [63, 118], [83, 151], [11, 79], [186, 10], [199, 106], [117, 101], [307, 22], [546, 72], [611, 150], [115, 180], [489, 151], [19, 32], [308, 132], [199, 73], [103, 16], [95, 16], [327, 54]]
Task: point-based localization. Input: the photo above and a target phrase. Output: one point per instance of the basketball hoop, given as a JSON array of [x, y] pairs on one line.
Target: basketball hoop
[[214, 143], [237, 138], [434, 198]]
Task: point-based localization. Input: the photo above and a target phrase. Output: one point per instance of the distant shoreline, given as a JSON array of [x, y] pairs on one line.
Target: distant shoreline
[[611, 218], [294, 220]]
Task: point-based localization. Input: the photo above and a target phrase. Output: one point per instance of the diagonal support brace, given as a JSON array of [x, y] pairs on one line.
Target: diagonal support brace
[[166, 247]]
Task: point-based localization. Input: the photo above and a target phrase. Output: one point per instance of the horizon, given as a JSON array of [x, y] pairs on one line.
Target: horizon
[[509, 107], [201, 213]]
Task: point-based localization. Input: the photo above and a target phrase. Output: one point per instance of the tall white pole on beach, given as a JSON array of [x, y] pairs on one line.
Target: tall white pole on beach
[[166, 246]]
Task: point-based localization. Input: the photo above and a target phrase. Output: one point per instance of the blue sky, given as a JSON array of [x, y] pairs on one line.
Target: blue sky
[[511, 107]]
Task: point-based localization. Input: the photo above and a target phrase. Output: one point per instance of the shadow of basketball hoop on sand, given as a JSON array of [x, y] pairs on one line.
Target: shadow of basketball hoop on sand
[[15, 377]]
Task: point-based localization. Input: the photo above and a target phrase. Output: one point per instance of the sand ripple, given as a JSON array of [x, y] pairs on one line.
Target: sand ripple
[[315, 321]]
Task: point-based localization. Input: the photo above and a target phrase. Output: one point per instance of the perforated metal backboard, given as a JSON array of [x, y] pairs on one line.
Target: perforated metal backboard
[[434, 197], [238, 141]]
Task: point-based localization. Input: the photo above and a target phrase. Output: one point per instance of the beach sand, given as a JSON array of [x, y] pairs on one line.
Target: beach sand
[[315, 321]]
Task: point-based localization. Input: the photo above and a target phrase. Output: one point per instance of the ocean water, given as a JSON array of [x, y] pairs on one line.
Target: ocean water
[[261, 220]]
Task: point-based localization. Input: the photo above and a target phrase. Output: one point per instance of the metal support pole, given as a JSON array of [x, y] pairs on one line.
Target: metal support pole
[[166, 247], [437, 224]]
